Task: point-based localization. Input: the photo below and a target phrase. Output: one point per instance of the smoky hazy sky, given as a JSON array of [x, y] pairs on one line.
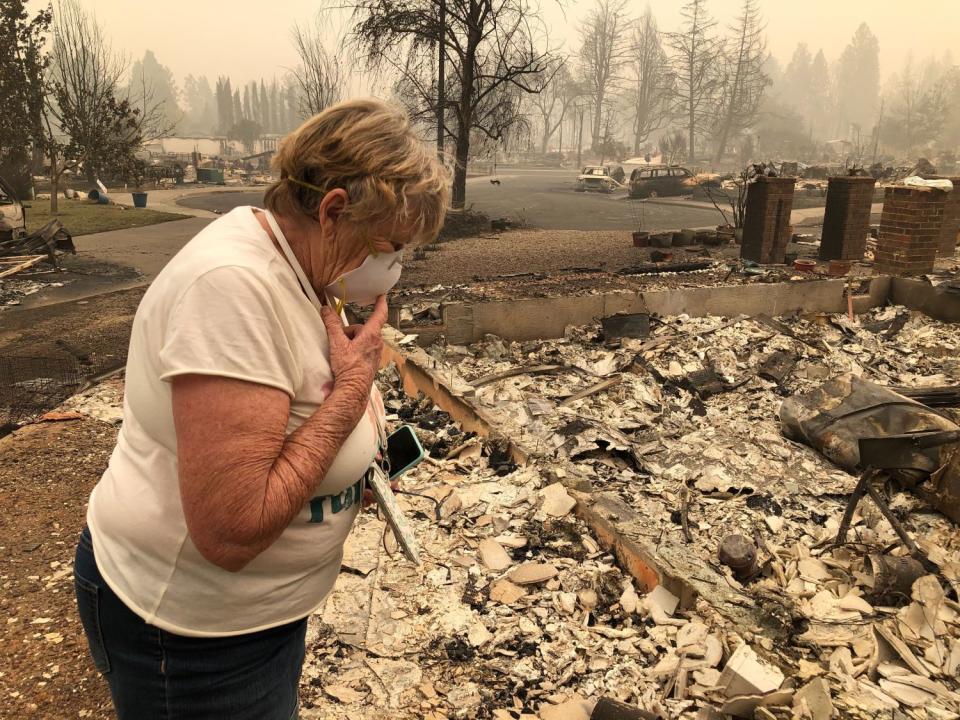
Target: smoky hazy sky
[[250, 39]]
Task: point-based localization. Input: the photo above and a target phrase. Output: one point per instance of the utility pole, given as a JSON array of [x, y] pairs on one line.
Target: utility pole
[[580, 140], [441, 77]]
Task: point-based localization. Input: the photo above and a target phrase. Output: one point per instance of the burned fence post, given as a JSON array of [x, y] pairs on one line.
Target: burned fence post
[[766, 228], [846, 221]]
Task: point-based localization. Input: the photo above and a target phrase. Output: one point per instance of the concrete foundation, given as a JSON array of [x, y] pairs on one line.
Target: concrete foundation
[[541, 318], [619, 528]]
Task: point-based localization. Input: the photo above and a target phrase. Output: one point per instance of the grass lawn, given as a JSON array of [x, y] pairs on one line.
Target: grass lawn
[[81, 217]]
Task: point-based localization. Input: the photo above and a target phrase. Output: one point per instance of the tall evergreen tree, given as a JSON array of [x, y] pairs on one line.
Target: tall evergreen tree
[[237, 108], [225, 119], [797, 77], [22, 64], [696, 66], [744, 78], [265, 111], [858, 83], [276, 118], [200, 105], [821, 100], [153, 84]]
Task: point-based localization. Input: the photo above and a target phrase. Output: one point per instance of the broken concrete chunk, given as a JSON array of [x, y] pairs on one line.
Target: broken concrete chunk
[[574, 709], [531, 573], [494, 556], [512, 541], [906, 693], [775, 523], [504, 591], [588, 599], [567, 602], [708, 677], [344, 694], [856, 603], [814, 699], [746, 706], [813, 570], [890, 646], [692, 637], [629, 600], [809, 670], [662, 599], [479, 635], [747, 674], [556, 501]]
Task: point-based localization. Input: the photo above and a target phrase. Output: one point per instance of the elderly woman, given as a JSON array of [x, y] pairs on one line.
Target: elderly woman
[[250, 422]]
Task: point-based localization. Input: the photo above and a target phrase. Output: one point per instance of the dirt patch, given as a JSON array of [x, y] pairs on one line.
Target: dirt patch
[[99, 324], [47, 353], [46, 474]]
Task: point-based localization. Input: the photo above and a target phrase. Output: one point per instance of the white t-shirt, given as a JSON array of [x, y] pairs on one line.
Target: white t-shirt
[[227, 304]]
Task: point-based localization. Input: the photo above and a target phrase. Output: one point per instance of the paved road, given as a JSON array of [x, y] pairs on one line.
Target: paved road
[[106, 261], [540, 198]]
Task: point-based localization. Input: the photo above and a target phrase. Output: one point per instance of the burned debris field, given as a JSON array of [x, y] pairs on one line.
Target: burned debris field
[[480, 360]]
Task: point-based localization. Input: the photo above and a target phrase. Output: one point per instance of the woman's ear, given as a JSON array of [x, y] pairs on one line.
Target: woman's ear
[[331, 208]]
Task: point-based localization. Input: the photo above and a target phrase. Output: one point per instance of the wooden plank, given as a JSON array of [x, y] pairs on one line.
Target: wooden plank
[[587, 392], [22, 266]]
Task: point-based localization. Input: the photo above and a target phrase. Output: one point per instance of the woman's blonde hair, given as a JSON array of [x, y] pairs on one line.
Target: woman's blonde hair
[[368, 148]]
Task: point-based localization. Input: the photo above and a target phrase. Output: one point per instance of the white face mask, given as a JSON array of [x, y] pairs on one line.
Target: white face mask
[[376, 276]]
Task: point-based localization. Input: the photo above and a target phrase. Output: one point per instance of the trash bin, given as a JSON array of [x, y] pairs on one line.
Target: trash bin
[[139, 199]]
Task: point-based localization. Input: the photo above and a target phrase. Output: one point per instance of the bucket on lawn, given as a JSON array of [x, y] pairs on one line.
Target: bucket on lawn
[[139, 199]]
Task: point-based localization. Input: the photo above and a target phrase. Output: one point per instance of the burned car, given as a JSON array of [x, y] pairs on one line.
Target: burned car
[[12, 221], [596, 177], [660, 180], [16, 241]]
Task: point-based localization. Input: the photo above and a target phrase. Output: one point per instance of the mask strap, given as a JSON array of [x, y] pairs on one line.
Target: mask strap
[[294, 263]]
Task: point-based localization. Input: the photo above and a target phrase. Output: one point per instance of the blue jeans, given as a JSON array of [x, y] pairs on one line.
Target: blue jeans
[[156, 675]]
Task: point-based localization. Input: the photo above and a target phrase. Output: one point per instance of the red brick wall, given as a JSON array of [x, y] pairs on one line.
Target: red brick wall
[[846, 221], [951, 222], [766, 227], [910, 230]]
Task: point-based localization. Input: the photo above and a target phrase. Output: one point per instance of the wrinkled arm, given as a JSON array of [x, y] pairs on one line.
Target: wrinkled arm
[[241, 480]]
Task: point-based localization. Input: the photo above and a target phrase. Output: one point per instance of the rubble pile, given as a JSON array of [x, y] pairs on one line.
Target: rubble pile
[[520, 611], [14, 289], [515, 609], [682, 429]]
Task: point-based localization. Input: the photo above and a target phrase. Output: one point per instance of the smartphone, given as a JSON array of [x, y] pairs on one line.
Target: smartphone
[[403, 450]]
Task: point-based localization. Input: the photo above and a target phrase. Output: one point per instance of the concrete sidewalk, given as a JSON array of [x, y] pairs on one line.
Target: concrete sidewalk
[[167, 200]]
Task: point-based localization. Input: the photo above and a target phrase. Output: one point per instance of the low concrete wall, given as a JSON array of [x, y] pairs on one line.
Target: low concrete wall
[[543, 318], [937, 303]]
